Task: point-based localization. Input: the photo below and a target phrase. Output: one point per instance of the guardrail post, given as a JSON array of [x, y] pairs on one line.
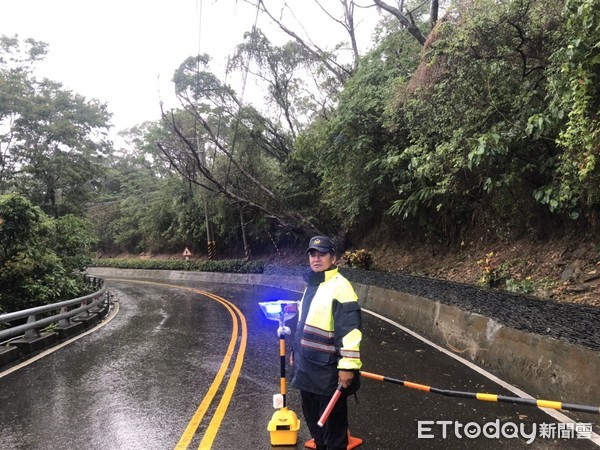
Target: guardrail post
[[31, 334], [33, 341], [63, 323], [85, 313], [89, 317]]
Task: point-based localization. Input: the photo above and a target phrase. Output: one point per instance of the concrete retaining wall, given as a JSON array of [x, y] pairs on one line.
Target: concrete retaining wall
[[543, 366]]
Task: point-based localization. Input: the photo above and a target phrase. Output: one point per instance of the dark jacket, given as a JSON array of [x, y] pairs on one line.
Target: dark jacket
[[328, 333]]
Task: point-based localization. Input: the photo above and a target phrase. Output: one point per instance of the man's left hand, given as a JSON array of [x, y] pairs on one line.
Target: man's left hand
[[345, 378]]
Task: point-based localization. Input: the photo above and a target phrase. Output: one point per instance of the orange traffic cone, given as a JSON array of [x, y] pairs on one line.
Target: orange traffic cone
[[353, 442]]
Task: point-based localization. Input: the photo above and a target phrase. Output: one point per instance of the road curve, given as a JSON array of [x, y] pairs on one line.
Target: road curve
[[147, 381]]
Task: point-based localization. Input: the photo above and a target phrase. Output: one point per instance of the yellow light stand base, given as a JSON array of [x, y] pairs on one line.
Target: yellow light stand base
[[283, 427], [353, 442]]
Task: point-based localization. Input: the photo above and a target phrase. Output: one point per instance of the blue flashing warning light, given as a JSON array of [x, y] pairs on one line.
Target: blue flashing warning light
[[279, 310], [273, 309]]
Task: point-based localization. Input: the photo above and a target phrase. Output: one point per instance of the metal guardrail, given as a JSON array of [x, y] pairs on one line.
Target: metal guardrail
[[33, 325]]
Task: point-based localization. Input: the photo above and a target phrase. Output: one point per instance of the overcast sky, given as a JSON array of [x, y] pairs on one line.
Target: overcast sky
[[124, 52]]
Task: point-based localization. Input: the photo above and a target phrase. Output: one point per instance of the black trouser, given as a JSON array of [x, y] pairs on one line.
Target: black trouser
[[334, 434]]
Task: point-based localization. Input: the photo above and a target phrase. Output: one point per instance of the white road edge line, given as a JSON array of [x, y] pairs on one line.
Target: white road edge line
[[551, 412], [39, 356]]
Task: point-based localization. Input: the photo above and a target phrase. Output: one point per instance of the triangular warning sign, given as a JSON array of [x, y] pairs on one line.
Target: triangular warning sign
[[187, 252]]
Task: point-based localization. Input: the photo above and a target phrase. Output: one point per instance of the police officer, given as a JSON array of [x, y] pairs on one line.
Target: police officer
[[326, 348]]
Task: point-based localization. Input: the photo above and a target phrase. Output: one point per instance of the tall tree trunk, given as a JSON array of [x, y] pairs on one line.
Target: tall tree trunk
[[244, 237], [433, 12], [210, 232]]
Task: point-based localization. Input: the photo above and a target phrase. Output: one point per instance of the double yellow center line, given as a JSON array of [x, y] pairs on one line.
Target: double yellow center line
[[215, 423], [217, 418]]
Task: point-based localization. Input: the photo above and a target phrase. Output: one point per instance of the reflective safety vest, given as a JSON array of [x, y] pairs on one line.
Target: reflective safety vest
[[328, 333]]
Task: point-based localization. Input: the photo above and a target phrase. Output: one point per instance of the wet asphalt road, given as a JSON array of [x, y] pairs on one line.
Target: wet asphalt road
[[138, 382]]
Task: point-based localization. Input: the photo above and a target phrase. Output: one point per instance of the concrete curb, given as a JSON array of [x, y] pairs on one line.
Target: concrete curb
[[543, 366]]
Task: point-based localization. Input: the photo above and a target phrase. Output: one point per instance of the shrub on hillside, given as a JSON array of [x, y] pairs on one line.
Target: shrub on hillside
[[361, 259], [230, 265]]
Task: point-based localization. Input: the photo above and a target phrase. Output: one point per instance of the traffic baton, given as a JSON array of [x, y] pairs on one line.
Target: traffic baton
[[330, 405], [487, 397]]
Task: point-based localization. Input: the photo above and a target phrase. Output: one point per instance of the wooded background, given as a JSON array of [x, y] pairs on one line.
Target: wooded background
[[473, 117]]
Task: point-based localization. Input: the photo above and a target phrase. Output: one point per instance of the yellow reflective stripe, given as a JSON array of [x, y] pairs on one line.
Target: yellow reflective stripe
[[283, 385], [487, 397], [549, 404]]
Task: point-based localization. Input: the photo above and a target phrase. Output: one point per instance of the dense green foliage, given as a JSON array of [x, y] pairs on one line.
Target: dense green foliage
[[471, 159], [41, 258], [573, 107], [52, 141], [491, 128], [492, 125], [349, 150]]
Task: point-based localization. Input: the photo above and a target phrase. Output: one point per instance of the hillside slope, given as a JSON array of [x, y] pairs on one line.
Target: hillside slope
[[565, 270], [562, 270]]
